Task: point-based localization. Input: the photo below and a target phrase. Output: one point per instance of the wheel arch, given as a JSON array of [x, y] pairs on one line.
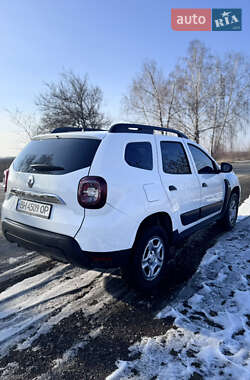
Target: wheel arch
[[228, 192], [236, 189], [162, 219]]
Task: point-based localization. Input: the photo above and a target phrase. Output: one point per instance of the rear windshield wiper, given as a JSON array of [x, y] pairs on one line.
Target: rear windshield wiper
[[45, 168]]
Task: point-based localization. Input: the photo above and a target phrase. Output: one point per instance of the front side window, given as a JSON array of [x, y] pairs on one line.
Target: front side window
[[139, 155], [174, 159], [203, 163]]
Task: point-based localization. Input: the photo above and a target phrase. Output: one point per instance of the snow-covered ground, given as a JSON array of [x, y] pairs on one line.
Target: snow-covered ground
[[34, 305], [210, 337], [210, 334]]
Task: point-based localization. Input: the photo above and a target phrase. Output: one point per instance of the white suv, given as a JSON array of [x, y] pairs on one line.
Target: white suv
[[116, 198]]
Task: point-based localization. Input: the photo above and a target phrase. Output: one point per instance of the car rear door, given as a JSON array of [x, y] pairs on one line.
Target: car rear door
[[180, 183]]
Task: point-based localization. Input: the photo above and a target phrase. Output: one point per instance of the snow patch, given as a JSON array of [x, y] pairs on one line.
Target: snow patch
[[13, 260], [33, 306], [210, 336], [244, 209]]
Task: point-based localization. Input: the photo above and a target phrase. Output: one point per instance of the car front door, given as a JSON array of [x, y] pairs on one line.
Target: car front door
[[211, 182]]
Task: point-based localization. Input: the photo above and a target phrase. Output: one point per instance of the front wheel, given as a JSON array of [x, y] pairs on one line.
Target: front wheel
[[148, 264], [230, 217]]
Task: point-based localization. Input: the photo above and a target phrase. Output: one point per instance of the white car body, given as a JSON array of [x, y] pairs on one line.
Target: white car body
[[133, 195]]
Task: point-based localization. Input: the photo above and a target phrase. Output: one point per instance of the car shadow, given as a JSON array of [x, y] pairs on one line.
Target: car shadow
[[185, 260]]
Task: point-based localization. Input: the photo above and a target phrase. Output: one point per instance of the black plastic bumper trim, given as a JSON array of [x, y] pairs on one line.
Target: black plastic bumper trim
[[60, 247]]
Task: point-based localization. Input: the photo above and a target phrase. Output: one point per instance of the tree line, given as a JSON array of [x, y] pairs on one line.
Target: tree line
[[206, 96]]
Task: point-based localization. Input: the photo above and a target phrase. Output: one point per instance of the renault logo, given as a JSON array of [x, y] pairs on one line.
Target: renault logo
[[31, 181]]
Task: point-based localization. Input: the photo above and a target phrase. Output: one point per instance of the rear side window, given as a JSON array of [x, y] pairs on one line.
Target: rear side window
[[174, 159], [139, 155], [63, 155]]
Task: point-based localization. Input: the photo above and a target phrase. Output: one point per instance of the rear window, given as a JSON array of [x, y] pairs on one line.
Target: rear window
[[65, 155], [139, 155]]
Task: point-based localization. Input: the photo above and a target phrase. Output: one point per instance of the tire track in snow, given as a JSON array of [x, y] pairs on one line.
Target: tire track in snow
[[32, 306]]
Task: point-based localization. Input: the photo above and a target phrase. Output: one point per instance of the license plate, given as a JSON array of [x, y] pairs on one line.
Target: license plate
[[34, 208]]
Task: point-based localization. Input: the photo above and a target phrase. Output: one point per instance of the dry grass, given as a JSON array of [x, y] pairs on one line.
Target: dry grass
[[233, 156]]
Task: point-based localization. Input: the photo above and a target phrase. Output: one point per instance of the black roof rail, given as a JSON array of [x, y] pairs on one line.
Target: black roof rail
[[73, 129], [141, 128]]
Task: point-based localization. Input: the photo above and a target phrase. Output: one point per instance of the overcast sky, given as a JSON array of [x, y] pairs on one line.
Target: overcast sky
[[108, 39]]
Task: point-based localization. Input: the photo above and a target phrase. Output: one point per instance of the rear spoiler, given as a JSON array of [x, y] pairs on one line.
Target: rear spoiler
[[66, 129], [73, 129]]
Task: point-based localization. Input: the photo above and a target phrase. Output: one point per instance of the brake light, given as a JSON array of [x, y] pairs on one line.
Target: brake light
[[92, 192], [5, 176]]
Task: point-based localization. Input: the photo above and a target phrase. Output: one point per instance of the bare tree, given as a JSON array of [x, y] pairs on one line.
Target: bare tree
[[194, 77], [71, 101], [28, 124], [151, 97], [212, 97], [228, 107]]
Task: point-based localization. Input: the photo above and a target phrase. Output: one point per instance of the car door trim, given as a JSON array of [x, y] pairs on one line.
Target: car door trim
[[210, 209], [200, 213]]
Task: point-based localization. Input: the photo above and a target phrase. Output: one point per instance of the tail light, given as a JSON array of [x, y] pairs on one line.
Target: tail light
[[5, 176], [92, 192]]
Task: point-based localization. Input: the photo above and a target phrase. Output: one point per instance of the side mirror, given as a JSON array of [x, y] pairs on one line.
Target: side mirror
[[225, 167]]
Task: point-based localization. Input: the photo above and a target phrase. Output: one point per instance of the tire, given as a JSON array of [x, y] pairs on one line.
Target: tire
[[229, 219], [148, 265]]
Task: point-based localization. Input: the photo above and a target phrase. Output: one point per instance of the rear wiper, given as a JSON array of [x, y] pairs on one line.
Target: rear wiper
[[45, 168]]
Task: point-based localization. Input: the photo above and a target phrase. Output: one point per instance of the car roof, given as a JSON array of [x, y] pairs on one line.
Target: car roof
[[120, 128], [102, 134]]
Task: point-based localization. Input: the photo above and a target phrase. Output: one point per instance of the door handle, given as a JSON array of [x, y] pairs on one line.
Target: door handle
[[204, 184], [172, 188]]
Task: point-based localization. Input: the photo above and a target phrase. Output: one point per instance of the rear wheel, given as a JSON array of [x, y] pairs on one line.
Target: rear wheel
[[229, 219], [148, 266]]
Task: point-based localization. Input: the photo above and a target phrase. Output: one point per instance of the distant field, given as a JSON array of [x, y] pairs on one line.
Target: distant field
[[5, 164], [233, 156]]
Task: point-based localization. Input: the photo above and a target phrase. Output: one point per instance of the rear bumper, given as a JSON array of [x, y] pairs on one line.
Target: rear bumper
[[60, 247]]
